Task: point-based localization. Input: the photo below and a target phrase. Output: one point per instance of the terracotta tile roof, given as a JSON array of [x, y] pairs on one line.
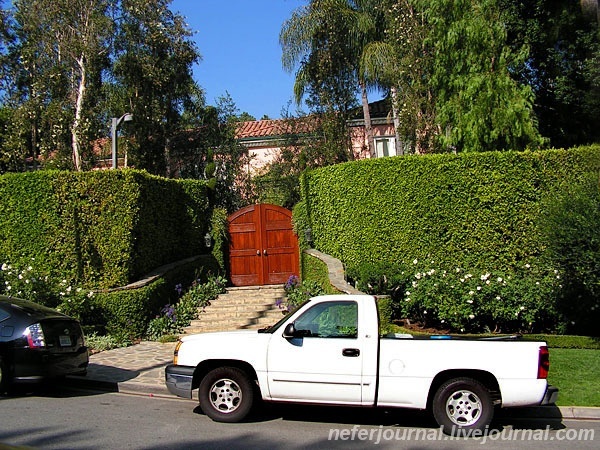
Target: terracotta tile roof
[[274, 128]]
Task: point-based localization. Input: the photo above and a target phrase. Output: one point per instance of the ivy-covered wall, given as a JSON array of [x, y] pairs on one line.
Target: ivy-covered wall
[[100, 229], [475, 209], [469, 242]]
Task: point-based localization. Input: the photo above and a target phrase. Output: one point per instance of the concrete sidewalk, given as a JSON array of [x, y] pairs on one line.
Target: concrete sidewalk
[[140, 369]]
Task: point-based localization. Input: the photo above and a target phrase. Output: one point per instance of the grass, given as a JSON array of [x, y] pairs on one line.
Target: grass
[[575, 373]]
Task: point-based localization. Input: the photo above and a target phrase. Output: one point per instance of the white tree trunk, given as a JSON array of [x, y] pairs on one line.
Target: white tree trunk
[[76, 129]]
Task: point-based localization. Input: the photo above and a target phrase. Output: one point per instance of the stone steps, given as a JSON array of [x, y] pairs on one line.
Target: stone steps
[[240, 308]]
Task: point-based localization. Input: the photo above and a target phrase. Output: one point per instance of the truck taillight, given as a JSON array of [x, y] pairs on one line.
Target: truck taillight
[[35, 336], [543, 363]]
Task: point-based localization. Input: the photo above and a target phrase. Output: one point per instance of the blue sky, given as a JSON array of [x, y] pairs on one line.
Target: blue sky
[[239, 43]]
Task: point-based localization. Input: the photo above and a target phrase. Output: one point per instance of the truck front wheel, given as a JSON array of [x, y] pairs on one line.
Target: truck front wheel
[[462, 404], [226, 394]]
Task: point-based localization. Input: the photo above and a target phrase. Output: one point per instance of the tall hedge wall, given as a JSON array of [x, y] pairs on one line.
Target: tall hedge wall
[[100, 229], [476, 210]]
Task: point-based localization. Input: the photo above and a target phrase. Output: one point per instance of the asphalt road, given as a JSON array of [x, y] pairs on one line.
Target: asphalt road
[[60, 418]]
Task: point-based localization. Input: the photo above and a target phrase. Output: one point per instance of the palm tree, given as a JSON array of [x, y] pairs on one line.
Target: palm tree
[[331, 30]]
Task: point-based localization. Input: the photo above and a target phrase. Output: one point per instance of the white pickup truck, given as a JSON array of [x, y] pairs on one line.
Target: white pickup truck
[[329, 352]]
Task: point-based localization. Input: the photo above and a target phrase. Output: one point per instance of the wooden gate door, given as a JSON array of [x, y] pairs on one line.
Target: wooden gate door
[[263, 248]]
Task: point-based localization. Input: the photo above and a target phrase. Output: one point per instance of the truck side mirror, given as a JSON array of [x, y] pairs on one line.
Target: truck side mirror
[[289, 331]]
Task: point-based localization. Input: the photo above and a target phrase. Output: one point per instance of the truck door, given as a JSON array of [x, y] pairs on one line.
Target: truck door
[[325, 360]]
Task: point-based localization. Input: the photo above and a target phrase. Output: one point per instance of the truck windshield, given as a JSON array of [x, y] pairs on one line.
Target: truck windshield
[[274, 327]]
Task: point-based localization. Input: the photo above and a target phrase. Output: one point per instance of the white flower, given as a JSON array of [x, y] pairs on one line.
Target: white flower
[[431, 272], [469, 301], [522, 308], [415, 261], [497, 297], [485, 276], [471, 316], [20, 277], [478, 288], [4, 266], [408, 293], [537, 283], [8, 288], [442, 321], [462, 280], [471, 292], [487, 281], [499, 279], [527, 266]]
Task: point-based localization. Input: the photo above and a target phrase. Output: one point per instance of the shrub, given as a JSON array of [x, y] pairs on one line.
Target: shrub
[[473, 300], [174, 318], [571, 229], [297, 292], [478, 212]]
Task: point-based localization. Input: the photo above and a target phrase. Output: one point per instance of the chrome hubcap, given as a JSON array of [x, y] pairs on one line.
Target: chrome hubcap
[[225, 395], [463, 408]]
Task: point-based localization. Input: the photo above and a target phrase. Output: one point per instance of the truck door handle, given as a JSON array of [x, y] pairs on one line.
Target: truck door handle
[[352, 352]]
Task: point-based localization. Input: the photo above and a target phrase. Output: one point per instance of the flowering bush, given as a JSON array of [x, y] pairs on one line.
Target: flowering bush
[[297, 292], [462, 300], [174, 318], [26, 283]]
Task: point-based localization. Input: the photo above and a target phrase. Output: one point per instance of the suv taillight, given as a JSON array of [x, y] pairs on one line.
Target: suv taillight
[[35, 336], [543, 363]]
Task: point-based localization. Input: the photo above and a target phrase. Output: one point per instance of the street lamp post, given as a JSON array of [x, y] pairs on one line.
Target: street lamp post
[[127, 117]]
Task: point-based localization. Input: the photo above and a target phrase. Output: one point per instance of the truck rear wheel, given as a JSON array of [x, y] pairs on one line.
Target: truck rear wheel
[[226, 394], [462, 404]]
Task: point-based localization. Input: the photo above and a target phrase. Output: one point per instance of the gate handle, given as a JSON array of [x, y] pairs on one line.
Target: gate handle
[[265, 252], [257, 252]]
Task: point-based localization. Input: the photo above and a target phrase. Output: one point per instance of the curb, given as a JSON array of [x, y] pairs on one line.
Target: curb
[[154, 390]]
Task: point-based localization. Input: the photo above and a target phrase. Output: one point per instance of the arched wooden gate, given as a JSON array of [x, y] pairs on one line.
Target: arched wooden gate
[[263, 248]]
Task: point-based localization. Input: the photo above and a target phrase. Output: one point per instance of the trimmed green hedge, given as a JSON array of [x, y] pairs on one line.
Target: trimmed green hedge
[[397, 217], [125, 313], [100, 229]]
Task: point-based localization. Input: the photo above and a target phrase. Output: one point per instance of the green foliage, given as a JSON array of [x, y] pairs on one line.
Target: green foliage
[[479, 107], [563, 66], [461, 300], [297, 292], [478, 212], [99, 229], [175, 317], [99, 343], [314, 270], [571, 232]]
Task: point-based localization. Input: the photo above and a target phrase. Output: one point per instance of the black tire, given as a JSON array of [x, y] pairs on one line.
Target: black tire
[[462, 404], [226, 394]]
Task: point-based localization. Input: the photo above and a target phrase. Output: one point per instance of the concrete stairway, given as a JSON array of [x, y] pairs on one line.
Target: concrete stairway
[[248, 308]]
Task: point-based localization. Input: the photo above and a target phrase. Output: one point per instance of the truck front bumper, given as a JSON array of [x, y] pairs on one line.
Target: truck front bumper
[[550, 396], [179, 380]]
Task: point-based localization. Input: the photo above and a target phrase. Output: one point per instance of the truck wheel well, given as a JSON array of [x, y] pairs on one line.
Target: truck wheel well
[[486, 378], [206, 366]]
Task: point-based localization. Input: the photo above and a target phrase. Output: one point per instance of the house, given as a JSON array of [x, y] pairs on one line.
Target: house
[[265, 138]]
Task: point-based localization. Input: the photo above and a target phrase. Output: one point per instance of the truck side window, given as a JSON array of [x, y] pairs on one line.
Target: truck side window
[[330, 320]]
